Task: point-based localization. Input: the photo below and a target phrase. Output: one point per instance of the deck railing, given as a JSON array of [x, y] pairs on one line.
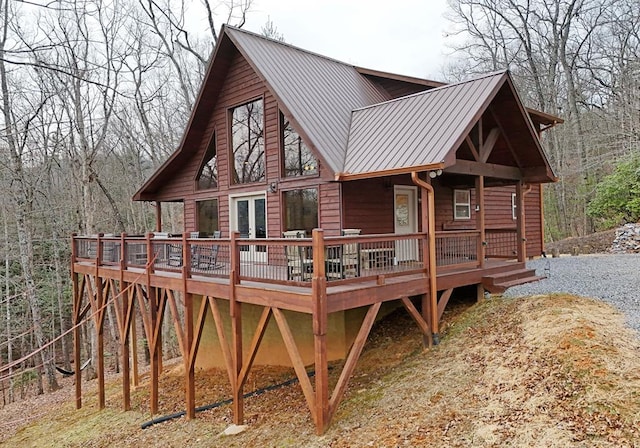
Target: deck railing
[[501, 243], [291, 260], [275, 260], [457, 248]]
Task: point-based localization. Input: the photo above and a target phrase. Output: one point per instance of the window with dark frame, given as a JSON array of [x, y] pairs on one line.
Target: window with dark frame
[[461, 204], [207, 216], [301, 210], [247, 140], [298, 160], [207, 177]]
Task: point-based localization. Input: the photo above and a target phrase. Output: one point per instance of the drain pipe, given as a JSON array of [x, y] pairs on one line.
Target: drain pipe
[[431, 235]]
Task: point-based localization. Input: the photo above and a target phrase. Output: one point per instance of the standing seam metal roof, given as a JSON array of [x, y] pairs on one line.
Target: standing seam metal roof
[[417, 130], [319, 92]]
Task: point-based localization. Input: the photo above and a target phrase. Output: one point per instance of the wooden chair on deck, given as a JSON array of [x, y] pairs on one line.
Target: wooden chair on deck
[[298, 264], [205, 257], [344, 261]]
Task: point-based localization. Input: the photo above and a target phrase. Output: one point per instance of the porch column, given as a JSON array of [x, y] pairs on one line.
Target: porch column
[[520, 232], [480, 225], [158, 216]]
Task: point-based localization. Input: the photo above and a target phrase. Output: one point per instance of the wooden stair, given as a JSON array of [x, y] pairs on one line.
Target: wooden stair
[[498, 283]]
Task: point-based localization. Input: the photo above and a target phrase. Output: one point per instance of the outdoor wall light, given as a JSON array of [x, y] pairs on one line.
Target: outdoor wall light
[[434, 174], [273, 187]]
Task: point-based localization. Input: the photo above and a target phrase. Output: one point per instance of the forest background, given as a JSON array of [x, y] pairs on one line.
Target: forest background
[[95, 96]]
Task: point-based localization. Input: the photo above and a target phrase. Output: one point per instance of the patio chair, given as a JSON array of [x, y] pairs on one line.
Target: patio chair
[[205, 257], [298, 264], [344, 261]]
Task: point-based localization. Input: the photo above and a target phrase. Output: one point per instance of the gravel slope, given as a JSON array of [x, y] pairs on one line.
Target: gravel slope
[[614, 278]]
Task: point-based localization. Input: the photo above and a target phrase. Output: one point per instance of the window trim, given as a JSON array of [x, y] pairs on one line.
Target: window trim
[[231, 162], [514, 207], [456, 204]]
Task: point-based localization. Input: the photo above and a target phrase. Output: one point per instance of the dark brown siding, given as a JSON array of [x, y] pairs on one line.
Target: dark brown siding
[[242, 85], [368, 204], [498, 213], [396, 88]]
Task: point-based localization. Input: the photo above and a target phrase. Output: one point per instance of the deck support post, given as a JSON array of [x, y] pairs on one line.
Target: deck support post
[[429, 217], [123, 307], [134, 340], [124, 345], [189, 366], [235, 311], [152, 293], [320, 316], [98, 316], [480, 220], [520, 219]]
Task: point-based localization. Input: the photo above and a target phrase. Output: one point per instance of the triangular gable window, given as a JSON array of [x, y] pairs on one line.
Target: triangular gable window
[[207, 177], [298, 159]]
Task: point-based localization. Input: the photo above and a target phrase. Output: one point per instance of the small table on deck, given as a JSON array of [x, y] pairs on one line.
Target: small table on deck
[[379, 257]]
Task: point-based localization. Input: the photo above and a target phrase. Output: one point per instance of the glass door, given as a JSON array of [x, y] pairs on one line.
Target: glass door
[[405, 206], [249, 215]]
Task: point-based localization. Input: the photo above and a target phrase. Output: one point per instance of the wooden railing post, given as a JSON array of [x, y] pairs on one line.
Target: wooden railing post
[[186, 255], [150, 261], [123, 251], [99, 248], [74, 250], [320, 317]]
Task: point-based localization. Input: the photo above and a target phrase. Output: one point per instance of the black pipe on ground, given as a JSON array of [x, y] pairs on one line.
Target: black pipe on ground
[[217, 404]]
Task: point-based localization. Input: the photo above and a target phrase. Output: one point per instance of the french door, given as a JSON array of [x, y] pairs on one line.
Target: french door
[[249, 217]]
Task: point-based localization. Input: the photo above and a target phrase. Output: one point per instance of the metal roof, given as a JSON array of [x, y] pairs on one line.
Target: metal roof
[[317, 92], [418, 130]]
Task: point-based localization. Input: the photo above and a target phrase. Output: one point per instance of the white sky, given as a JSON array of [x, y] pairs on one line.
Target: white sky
[[399, 36]]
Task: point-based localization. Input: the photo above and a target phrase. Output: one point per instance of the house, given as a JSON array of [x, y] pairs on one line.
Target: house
[[314, 193]]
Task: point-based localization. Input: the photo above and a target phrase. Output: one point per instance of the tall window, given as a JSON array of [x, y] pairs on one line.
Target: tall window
[[514, 206], [461, 204], [207, 177], [298, 159], [207, 215], [301, 210], [247, 138]]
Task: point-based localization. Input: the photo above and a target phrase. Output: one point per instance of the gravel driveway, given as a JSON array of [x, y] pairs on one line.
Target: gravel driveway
[[614, 278]]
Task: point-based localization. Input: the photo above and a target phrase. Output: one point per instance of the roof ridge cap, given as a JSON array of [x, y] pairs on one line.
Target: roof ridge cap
[[287, 44], [425, 92]]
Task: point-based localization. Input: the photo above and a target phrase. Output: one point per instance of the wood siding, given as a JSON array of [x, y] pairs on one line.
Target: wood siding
[[241, 85], [396, 88]]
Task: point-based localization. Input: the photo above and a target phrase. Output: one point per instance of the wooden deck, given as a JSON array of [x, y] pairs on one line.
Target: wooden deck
[[159, 275]]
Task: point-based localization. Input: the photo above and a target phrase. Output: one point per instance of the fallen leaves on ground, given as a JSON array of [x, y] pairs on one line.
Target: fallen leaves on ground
[[547, 371]]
